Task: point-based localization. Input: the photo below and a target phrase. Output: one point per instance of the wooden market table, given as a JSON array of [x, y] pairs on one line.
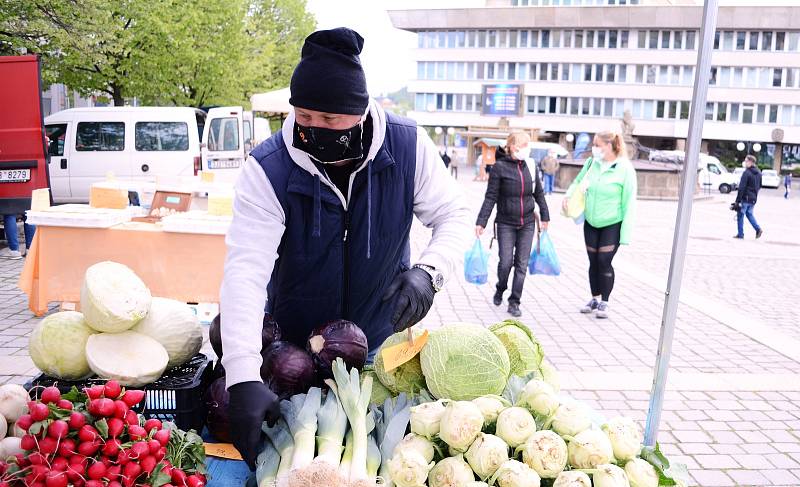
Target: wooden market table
[[183, 266]]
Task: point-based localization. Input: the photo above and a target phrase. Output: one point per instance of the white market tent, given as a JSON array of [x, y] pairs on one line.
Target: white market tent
[[272, 102]]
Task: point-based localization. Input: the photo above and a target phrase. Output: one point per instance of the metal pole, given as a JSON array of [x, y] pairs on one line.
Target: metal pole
[[688, 182]]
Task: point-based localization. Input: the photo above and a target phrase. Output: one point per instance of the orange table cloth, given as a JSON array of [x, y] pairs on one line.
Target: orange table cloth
[[183, 266]]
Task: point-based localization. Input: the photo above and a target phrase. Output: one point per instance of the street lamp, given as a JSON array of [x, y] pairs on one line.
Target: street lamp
[[570, 137], [756, 147]]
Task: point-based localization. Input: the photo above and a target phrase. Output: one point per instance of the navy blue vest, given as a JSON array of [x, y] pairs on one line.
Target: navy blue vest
[[320, 275]]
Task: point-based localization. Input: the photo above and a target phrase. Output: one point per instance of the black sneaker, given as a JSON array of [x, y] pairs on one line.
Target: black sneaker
[[739, 236], [498, 298], [590, 306], [513, 310], [759, 233], [602, 310]]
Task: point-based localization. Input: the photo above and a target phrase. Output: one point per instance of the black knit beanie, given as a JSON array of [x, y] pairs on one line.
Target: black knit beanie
[[329, 77]]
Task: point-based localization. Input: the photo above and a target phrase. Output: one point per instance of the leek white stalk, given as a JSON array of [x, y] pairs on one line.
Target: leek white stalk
[[373, 457], [390, 425], [347, 456], [355, 396], [332, 426], [267, 465], [300, 413], [282, 439]]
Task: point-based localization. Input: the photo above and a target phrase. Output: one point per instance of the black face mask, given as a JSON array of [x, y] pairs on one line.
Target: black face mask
[[329, 146]]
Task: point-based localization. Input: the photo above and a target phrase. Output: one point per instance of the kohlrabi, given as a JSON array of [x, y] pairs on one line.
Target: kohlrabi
[[546, 453]]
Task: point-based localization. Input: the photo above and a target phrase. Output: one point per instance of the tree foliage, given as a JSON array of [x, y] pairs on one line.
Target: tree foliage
[[161, 51]]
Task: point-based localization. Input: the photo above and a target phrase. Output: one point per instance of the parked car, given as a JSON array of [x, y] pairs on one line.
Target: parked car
[[713, 174], [228, 137], [770, 178], [23, 166], [132, 143]]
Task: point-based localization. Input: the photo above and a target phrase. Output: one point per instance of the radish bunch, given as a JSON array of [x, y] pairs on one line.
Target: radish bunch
[[94, 439]]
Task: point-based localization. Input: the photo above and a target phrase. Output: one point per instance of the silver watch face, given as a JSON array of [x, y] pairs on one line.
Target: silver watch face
[[438, 281]]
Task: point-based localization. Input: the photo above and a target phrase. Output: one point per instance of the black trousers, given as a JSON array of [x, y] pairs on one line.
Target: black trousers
[[515, 250], [601, 246]]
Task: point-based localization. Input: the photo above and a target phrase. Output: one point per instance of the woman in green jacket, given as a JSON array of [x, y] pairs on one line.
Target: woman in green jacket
[[608, 182]]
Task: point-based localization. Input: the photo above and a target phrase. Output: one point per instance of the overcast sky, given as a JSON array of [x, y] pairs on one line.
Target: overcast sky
[[387, 56]]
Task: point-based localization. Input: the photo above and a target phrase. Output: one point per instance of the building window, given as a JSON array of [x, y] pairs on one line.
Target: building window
[[545, 38], [712, 79], [555, 38], [791, 77], [574, 109], [684, 110], [568, 38], [579, 39], [651, 74], [780, 41], [648, 109], [773, 114], [753, 44], [717, 36], [709, 111], [751, 78], [598, 72], [608, 107], [760, 109], [565, 72], [585, 106], [543, 71], [470, 70], [503, 38], [640, 74], [786, 114], [471, 38], [677, 39], [512, 71], [724, 76], [553, 72], [794, 42], [734, 112], [587, 72], [688, 75], [765, 75], [601, 38], [481, 38], [481, 67], [596, 106], [727, 40], [610, 71], [576, 72], [491, 38], [653, 40], [641, 39], [589, 38], [766, 41], [740, 40], [690, 37], [722, 109], [461, 38], [513, 37], [747, 113], [451, 70], [490, 70], [523, 38], [777, 77], [665, 38], [623, 39]]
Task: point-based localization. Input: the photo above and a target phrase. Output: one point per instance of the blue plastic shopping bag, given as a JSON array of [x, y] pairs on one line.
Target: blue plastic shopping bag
[[476, 264], [543, 257]]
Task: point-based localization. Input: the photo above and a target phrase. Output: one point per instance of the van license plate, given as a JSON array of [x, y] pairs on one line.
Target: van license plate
[[223, 163], [15, 175]]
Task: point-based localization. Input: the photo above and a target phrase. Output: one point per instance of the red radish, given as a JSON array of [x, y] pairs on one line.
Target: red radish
[[167, 485], [76, 421], [51, 395], [136, 432], [59, 463], [160, 454], [67, 448], [96, 471], [38, 472], [28, 442], [153, 446], [39, 411], [112, 389], [132, 418], [195, 481], [22, 460], [94, 483], [56, 478], [77, 459], [94, 392], [87, 433], [132, 470], [115, 427], [178, 477], [122, 457], [113, 473], [48, 445], [148, 464], [111, 448], [114, 483], [106, 461], [138, 450], [89, 448], [37, 458], [120, 409], [132, 397], [152, 424], [25, 421], [64, 404], [162, 436], [58, 429], [166, 468], [101, 407]]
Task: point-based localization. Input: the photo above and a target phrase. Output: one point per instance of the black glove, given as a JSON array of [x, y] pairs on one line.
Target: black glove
[[413, 297], [250, 404]]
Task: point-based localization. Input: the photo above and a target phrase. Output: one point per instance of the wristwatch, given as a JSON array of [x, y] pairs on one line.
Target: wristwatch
[[437, 278]]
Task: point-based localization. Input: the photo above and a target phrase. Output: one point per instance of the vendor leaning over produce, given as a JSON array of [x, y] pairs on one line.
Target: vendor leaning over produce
[[322, 215]]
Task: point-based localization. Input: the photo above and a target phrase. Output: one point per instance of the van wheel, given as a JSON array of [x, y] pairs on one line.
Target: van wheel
[[724, 188]]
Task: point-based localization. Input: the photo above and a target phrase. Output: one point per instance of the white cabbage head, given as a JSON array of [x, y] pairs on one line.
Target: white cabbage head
[[173, 324], [626, 437], [572, 478], [460, 425], [609, 475], [515, 425], [113, 298], [426, 418], [641, 473], [589, 448], [486, 454], [58, 345], [515, 474], [450, 472], [408, 468], [546, 453], [571, 418], [539, 397]]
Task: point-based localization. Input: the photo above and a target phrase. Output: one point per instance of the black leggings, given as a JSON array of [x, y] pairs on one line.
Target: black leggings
[[601, 246]]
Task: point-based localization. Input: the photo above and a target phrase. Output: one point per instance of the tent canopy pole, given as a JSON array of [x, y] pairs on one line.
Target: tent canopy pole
[[680, 238]]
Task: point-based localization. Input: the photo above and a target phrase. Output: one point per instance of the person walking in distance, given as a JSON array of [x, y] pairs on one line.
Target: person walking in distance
[[749, 186], [549, 168], [608, 181], [787, 184], [453, 163], [515, 187]]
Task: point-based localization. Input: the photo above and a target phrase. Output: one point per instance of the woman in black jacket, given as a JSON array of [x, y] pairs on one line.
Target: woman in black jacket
[[516, 188]]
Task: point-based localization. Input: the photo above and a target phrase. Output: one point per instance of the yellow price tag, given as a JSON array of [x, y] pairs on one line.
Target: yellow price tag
[[222, 450], [397, 355]]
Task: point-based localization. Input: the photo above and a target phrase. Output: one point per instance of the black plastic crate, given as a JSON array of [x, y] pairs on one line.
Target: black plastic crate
[[178, 395]]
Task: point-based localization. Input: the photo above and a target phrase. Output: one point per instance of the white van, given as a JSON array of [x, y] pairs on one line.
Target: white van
[[132, 143], [714, 175], [228, 137]]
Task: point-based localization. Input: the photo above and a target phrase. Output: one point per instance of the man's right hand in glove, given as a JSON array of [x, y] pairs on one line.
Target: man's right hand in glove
[[251, 403]]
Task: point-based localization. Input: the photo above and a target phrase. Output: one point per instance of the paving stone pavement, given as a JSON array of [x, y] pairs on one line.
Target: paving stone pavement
[[732, 409]]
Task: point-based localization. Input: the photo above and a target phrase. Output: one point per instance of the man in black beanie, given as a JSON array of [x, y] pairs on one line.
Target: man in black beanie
[[321, 222]]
